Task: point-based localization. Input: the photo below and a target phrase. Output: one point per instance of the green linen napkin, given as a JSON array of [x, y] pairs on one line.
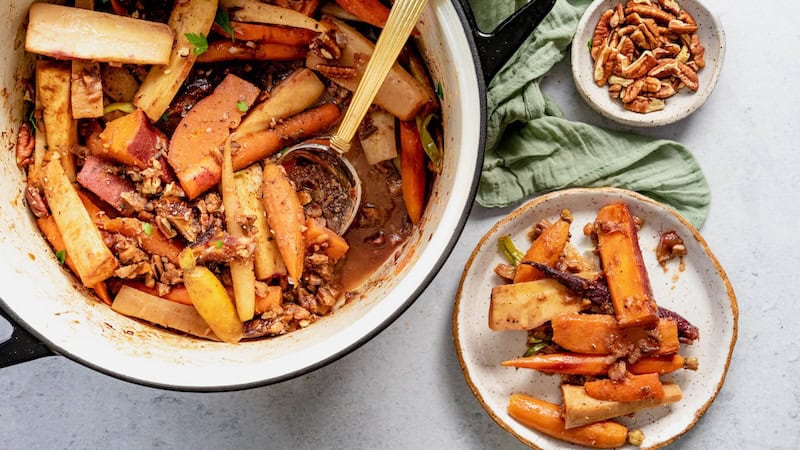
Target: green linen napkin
[[531, 148]]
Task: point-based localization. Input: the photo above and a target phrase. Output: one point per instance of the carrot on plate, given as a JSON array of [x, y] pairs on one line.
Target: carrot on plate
[[599, 334], [567, 363], [225, 50], [546, 249], [629, 389]]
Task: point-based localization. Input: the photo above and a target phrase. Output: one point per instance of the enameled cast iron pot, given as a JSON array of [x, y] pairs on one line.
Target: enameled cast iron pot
[[53, 314]]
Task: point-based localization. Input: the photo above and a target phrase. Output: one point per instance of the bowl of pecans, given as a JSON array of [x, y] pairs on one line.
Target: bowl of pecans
[[647, 63]]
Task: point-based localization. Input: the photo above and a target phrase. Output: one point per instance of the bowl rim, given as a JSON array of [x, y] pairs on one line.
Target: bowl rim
[[603, 190], [630, 118]]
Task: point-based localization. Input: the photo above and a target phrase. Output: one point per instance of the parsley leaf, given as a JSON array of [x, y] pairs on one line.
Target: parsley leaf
[[223, 21], [147, 228], [164, 117], [218, 244], [439, 91], [61, 256], [199, 42], [241, 106], [589, 44]]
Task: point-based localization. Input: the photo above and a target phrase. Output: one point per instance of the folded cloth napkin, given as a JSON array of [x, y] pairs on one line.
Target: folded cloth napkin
[[531, 148]]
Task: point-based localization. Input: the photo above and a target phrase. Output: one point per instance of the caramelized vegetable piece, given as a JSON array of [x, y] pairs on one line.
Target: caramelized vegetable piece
[[270, 301], [599, 334], [142, 305], [546, 418], [256, 11], [320, 234], [242, 272], [53, 92], [381, 142], [210, 299], [581, 409], [630, 389], [567, 363], [119, 83], [98, 176], [412, 170], [163, 82], [92, 259], [401, 94], [86, 90], [224, 50], [657, 364], [546, 249], [296, 37], [149, 237], [266, 257], [261, 144], [74, 33], [286, 218], [628, 283], [194, 148], [177, 294], [372, 12], [131, 140], [524, 306]]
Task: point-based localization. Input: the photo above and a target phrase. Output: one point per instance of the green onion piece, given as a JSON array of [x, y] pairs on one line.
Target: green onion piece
[[61, 256], [147, 228], [589, 44], [439, 91], [224, 21], [124, 107], [428, 144], [509, 250], [534, 349], [218, 244], [32, 119], [199, 42], [241, 106], [164, 117]]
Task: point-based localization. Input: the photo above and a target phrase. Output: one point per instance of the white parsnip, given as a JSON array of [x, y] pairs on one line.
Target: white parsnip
[[381, 143], [53, 92], [527, 305], [87, 87], [177, 316], [581, 409], [258, 12]]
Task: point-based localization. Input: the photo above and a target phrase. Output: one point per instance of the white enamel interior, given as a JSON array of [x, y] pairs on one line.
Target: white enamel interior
[[701, 293], [36, 289]]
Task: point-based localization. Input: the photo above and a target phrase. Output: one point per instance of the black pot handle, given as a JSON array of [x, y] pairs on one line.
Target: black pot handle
[[496, 47], [21, 346]]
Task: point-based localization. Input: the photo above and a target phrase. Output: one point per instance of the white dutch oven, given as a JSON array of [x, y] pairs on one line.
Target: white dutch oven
[[53, 313]]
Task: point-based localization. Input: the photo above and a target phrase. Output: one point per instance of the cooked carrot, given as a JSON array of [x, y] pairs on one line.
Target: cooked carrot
[[270, 301], [318, 234], [50, 231], [309, 7], [581, 409], [150, 238], [546, 249], [177, 294], [599, 334], [371, 11], [286, 218], [98, 216], [628, 283], [412, 170], [546, 418], [630, 389], [225, 50], [131, 140], [568, 363], [273, 34], [261, 144], [657, 364]]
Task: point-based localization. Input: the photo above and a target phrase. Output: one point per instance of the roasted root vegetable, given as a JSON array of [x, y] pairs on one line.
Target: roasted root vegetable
[[296, 37], [194, 148], [86, 90], [581, 409], [412, 171], [190, 17], [98, 176], [131, 140], [93, 260], [259, 145], [224, 50], [266, 257], [378, 137], [256, 11], [242, 272], [546, 248], [269, 302], [566, 363], [660, 364], [53, 92], [401, 94], [621, 257], [210, 299], [319, 234], [286, 218], [629, 389], [75, 33], [118, 83], [177, 294], [372, 12], [524, 306], [142, 305], [546, 418], [149, 237], [599, 334]]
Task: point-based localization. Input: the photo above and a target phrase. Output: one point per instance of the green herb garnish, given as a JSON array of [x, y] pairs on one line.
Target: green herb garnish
[[199, 42], [241, 106], [218, 244], [147, 228], [224, 21], [589, 44], [439, 91], [164, 117], [32, 119], [509, 250], [61, 256], [428, 144], [534, 349]]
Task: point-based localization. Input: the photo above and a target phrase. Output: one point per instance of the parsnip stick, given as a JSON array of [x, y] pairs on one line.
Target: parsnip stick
[[53, 91], [256, 11], [87, 87], [581, 409]]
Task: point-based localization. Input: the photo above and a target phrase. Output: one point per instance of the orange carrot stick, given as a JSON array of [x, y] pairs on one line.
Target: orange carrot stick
[[546, 249], [261, 144], [630, 389], [657, 364], [371, 11], [152, 240], [226, 50], [599, 334], [569, 363], [272, 300], [318, 234], [273, 34], [177, 294], [412, 170]]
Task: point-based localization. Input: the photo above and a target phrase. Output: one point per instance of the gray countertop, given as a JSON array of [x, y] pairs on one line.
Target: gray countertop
[[404, 388]]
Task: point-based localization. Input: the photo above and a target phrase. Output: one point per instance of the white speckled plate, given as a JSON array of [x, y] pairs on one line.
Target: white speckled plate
[[701, 293], [712, 37]]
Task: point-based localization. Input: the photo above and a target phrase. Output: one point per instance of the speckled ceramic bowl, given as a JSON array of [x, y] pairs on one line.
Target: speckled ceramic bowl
[[678, 106], [701, 293]]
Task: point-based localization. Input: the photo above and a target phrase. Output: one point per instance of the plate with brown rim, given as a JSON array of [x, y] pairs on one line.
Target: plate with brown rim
[[696, 287]]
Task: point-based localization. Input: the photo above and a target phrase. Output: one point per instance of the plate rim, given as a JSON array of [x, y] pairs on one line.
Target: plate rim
[[533, 203]]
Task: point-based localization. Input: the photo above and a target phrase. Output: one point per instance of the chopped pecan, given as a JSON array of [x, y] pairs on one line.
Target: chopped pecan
[[624, 82], [671, 6], [627, 29], [651, 84], [626, 47], [632, 92], [671, 47], [618, 17], [698, 51], [338, 72], [681, 27], [666, 91], [688, 76], [650, 11], [661, 53], [640, 67], [601, 33], [615, 90], [633, 19], [665, 68], [644, 38], [25, 144], [653, 29], [326, 44], [684, 16], [604, 66], [645, 105], [36, 202]]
